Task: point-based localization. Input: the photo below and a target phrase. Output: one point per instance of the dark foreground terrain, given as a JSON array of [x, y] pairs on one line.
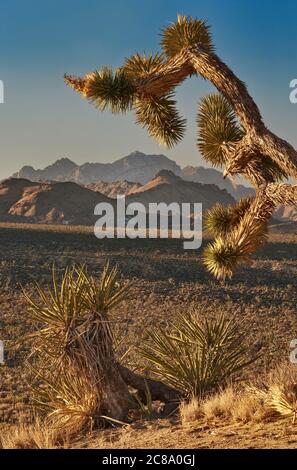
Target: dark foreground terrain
[[168, 280]]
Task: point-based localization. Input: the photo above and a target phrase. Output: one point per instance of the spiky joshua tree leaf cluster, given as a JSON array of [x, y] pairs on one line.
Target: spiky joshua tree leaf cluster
[[231, 131]]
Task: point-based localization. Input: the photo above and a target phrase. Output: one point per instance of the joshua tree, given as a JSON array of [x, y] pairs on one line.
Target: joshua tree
[[231, 130]]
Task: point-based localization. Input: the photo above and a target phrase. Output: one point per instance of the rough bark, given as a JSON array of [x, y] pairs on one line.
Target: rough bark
[[158, 390], [282, 193], [116, 397], [212, 68], [117, 400], [166, 77]]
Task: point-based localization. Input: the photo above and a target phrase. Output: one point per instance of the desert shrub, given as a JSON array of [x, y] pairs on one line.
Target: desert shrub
[[197, 357], [235, 405], [272, 396]]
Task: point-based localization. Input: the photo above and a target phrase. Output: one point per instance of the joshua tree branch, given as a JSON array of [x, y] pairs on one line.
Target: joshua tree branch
[[171, 74], [279, 150], [212, 68], [282, 193]]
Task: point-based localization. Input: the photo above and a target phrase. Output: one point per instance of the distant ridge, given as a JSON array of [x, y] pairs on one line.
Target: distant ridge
[[134, 168], [168, 187], [199, 174]]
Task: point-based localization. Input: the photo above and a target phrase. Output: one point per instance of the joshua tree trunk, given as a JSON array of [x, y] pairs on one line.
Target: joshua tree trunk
[[158, 390], [116, 397], [92, 354], [115, 389]]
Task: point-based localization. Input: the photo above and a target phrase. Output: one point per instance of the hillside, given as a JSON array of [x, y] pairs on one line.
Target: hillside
[[70, 203], [199, 174], [167, 187], [286, 213], [67, 203], [112, 189]]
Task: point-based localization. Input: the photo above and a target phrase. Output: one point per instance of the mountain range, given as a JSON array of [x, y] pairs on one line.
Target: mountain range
[[136, 168], [65, 191]]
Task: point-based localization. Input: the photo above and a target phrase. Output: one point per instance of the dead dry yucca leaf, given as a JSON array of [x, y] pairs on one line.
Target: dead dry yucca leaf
[[280, 398]]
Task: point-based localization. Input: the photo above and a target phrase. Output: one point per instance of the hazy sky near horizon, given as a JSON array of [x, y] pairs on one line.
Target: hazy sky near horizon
[[42, 120]]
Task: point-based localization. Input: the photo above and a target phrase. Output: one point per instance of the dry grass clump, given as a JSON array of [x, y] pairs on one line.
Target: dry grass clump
[[279, 391], [190, 412], [275, 395], [219, 405], [249, 408], [29, 436], [71, 403], [227, 405]]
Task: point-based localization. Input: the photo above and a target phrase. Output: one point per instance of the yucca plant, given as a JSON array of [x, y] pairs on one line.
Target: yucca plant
[[161, 119], [186, 32], [108, 89], [74, 347], [197, 357], [281, 399], [142, 65], [218, 220], [231, 132], [218, 126]]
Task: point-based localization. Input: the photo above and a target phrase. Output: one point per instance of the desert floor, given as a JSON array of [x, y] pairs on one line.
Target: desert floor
[[168, 280]]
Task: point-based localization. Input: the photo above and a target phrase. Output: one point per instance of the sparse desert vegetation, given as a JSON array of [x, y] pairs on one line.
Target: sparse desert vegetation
[[255, 410]]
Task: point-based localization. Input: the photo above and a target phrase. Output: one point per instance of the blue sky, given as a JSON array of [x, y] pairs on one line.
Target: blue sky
[[42, 120]]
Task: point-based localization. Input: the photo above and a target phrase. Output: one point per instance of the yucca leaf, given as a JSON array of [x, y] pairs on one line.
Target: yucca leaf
[[217, 126], [197, 357], [160, 117], [106, 88], [220, 219], [222, 256], [186, 32], [138, 66]]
